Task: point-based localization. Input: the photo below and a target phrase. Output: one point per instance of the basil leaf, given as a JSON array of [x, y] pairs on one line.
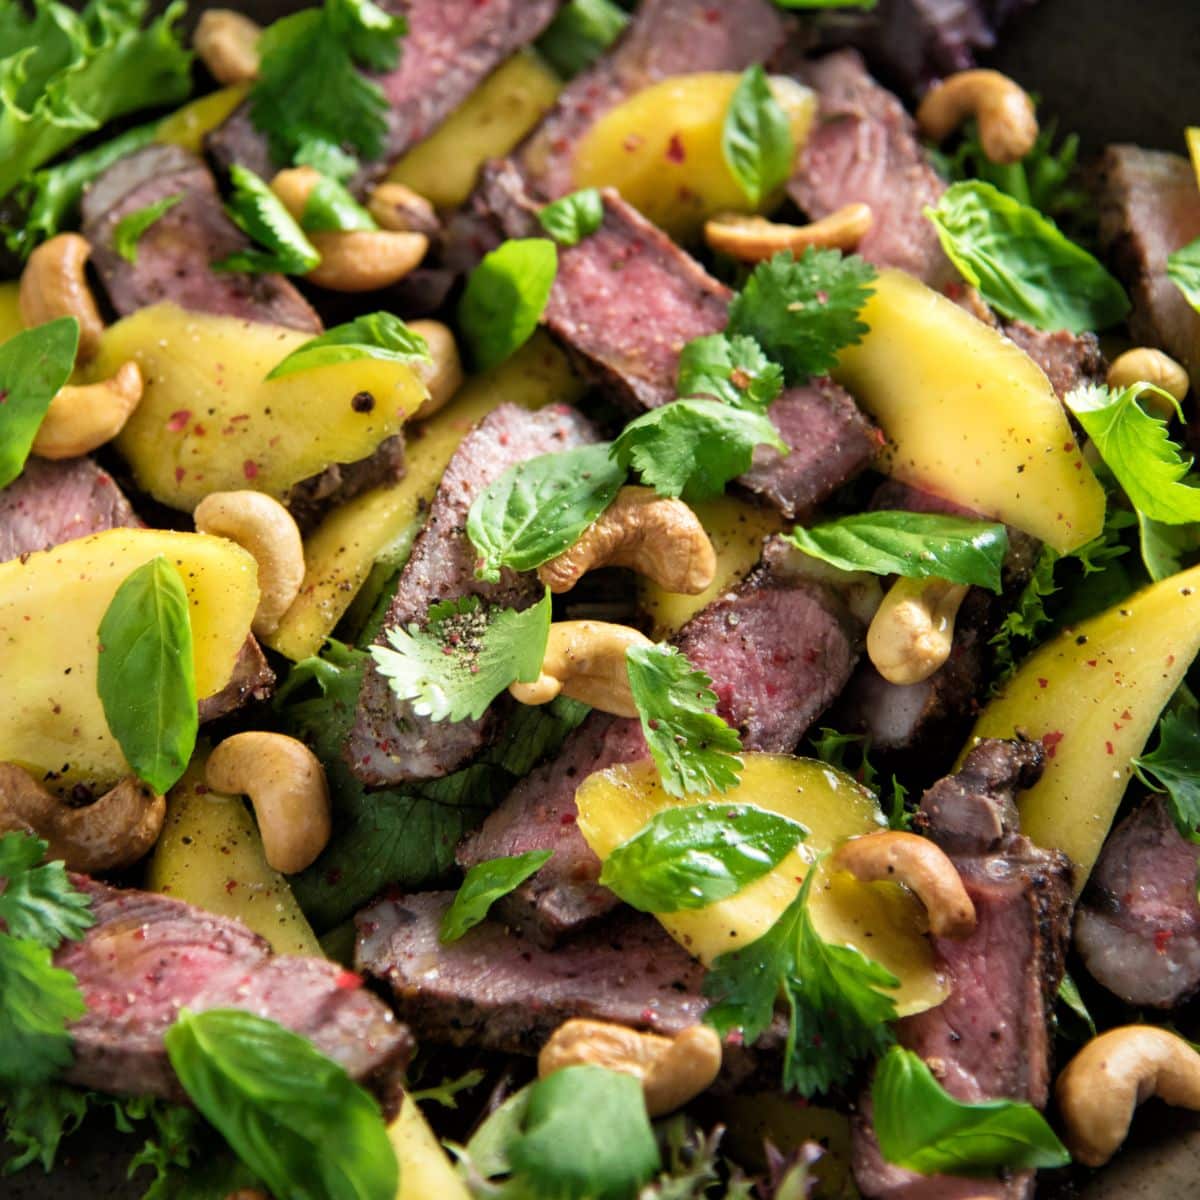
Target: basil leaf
[[540, 507], [1068, 994], [1022, 264], [1172, 768], [331, 208], [694, 855], [376, 335], [484, 884], [131, 226], [146, 677], [569, 220], [293, 1116], [1183, 270], [261, 216], [505, 298], [756, 138], [916, 545], [34, 364], [580, 33], [731, 369], [922, 1128]]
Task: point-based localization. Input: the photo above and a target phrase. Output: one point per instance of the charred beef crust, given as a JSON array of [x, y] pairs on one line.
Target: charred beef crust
[[312, 498], [252, 680], [1069, 360]]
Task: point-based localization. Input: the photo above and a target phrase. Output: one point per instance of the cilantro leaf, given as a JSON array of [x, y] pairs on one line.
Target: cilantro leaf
[[130, 227], [505, 298], [540, 507], [261, 216], [38, 902], [465, 657], [331, 208], [580, 33], [485, 883], [1183, 270], [375, 335], [921, 1127], [731, 369], [1173, 767], [694, 749], [803, 311], [916, 545], [572, 218], [330, 160], [1022, 264], [756, 138], [36, 1119], [693, 448]]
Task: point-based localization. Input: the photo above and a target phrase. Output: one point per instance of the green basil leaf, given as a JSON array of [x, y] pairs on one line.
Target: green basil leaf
[[731, 369], [130, 227], [540, 507], [34, 364], [1183, 270], [756, 138], [922, 1128], [580, 33], [485, 883], [505, 298], [1173, 768], [916, 545], [330, 208], [146, 678], [569, 220], [261, 216], [1022, 264], [376, 335], [293, 1116], [694, 855]]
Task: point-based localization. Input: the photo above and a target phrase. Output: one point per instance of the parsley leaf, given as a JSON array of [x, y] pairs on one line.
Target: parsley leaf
[[731, 369], [375, 335], [1022, 263], [580, 33], [572, 218], [695, 750], [692, 448], [1173, 767], [331, 208], [540, 507], [261, 216], [465, 657], [485, 883], [131, 226], [505, 298], [803, 311], [923, 1128], [1183, 270], [39, 903], [916, 545], [756, 138]]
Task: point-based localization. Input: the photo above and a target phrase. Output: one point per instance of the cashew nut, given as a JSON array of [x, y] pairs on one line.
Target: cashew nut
[[227, 43], [1008, 125], [293, 186], [1145, 365], [586, 661], [262, 525], [402, 210], [365, 260], [286, 785], [657, 537], [919, 864], [444, 375], [755, 239], [912, 633], [114, 831], [54, 284], [80, 419], [672, 1071], [1102, 1085]]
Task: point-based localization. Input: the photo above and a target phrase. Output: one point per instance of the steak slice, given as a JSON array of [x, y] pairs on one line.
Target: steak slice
[[312, 498], [148, 956], [1149, 208], [175, 254], [389, 743], [1138, 925], [1069, 360], [252, 680]]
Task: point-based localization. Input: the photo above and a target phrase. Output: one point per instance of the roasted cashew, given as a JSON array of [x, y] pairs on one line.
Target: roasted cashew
[[672, 1071], [286, 785], [1101, 1086], [586, 661], [54, 284], [755, 239], [365, 260], [262, 525], [919, 864], [293, 186], [1007, 122], [443, 376], [402, 210], [912, 633], [80, 419], [655, 536], [114, 831], [1146, 365], [227, 43]]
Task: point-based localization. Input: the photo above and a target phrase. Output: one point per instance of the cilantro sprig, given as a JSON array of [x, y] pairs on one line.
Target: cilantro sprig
[[1173, 768], [733, 369]]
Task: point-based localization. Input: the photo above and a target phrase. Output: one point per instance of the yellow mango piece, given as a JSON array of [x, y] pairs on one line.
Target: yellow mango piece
[[737, 530], [10, 309], [488, 124], [882, 920], [661, 149], [210, 854], [209, 421], [1193, 144], [425, 1169], [968, 415], [340, 552], [187, 126], [1092, 696], [51, 605]]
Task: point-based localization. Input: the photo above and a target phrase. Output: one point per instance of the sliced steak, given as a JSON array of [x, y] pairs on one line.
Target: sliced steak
[[1138, 925], [252, 680], [54, 502], [312, 498], [1069, 360], [1149, 208], [389, 743], [148, 956], [175, 253]]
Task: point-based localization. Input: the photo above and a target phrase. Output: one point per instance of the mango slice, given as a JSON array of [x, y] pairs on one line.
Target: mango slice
[[10, 310], [187, 126], [969, 416], [882, 920], [425, 1170]]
